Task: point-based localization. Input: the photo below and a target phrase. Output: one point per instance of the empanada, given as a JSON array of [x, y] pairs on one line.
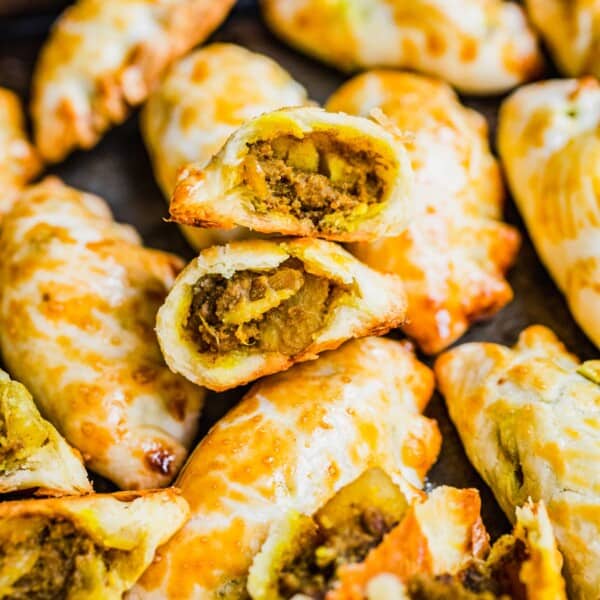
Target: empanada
[[84, 548], [78, 302], [304, 172], [453, 256], [549, 141], [530, 423], [200, 102], [479, 46], [294, 440], [33, 455], [104, 56], [255, 307]]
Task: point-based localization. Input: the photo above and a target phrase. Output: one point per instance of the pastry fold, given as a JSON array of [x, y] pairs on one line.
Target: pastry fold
[[255, 307], [479, 46], [33, 455], [200, 102], [528, 418], [104, 56], [455, 252], [549, 141], [303, 172], [294, 440], [78, 302], [93, 547]]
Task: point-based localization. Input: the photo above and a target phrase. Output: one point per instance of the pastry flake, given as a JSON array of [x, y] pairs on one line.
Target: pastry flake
[[78, 303]]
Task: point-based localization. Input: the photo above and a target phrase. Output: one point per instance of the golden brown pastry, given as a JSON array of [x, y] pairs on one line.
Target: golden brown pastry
[[33, 455], [78, 302], [104, 56], [479, 46], [296, 438], [200, 102], [549, 140], [88, 547], [529, 420], [255, 307], [453, 256], [304, 172]]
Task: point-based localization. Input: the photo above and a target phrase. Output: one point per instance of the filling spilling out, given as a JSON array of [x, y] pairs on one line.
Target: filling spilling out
[[273, 310], [317, 177]]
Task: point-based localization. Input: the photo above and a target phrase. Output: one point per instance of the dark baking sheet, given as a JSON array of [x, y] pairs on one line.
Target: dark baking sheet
[[119, 170]]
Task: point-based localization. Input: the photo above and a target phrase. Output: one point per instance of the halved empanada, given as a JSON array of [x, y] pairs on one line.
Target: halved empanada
[[255, 307], [549, 140], [104, 56], [201, 101], [78, 302], [295, 439], [84, 548], [529, 420], [32, 453], [479, 46], [453, 256], [305, 172]]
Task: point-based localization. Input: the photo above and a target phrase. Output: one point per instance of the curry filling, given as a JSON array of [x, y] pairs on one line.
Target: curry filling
[[274, 310], [317, 177]]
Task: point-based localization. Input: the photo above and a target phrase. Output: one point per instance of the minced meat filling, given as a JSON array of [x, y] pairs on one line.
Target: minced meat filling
[[314, 177], [275, 310]]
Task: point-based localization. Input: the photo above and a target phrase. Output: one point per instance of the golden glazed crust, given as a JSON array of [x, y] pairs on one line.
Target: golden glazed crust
[[295, 439], [479, 46], [78, 302], [453, 256], [200, 102], [529, 423], [549, 140], [104, 56], [374, 304]]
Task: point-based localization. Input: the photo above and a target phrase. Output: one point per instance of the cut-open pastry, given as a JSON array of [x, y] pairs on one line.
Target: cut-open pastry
[[549, 141], [91, 547], [77, 314], [104, 56], [200, 102], [453, 256], [305, 172], [294, 440], [33, 455], [479, 46], [530, 423], [255, 307]]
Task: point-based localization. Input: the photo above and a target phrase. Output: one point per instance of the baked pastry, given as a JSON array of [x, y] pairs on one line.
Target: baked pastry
[[19, 162], [479, 46], [93, 546], [453, 256], [368, 542], [78, 302], [104, 56], [200, 102], [294, 440], [571, 30], [33, 455], [304, 172], [255, 307], [549, 140], [528, 418]]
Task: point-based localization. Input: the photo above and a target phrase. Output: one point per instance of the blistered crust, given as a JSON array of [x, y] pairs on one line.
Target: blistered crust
[[78, 302], [104, 56], [479, 46], [376, 303], [549, 140], [296, 438], [529, 423], [453, 256]]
